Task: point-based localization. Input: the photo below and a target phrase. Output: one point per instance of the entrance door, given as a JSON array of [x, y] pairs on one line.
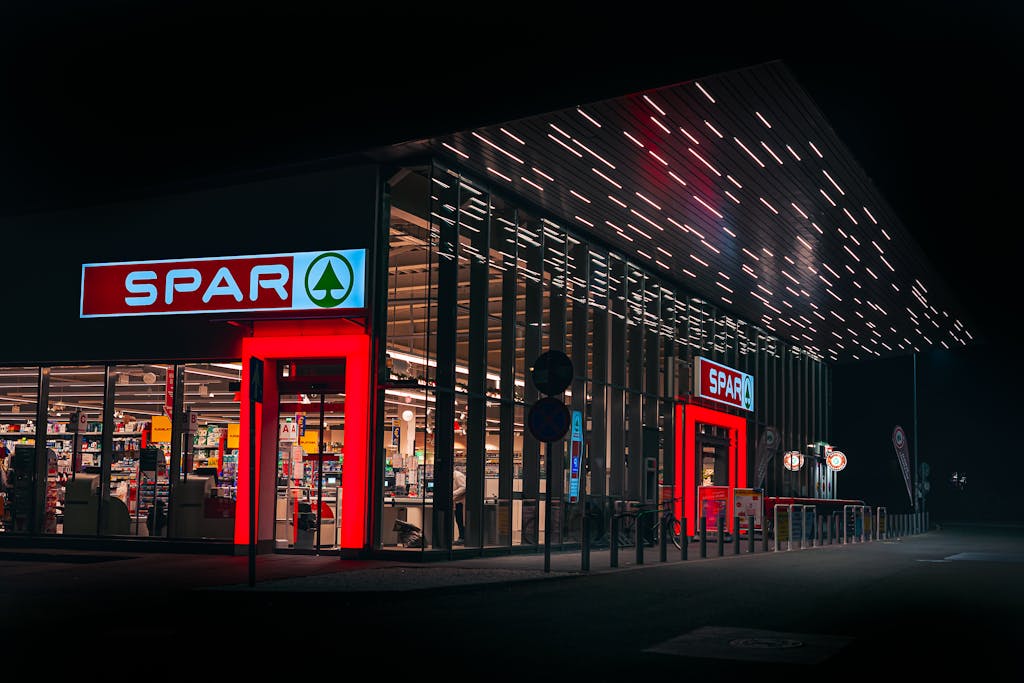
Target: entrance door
[[713, 449], [719, 437], [311, 423]]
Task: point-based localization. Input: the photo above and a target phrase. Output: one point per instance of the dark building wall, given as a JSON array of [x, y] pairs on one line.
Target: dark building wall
[[41, 286]]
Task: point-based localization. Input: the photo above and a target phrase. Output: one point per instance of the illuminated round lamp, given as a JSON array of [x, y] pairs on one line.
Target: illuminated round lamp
[[407, 415], [793, 460], [836, 461]]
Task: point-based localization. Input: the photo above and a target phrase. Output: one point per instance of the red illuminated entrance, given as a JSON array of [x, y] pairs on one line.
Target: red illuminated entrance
[[687, 418], [273, 341]]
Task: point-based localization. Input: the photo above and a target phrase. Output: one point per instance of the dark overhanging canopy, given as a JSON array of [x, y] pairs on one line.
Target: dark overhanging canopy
[[735, 187]]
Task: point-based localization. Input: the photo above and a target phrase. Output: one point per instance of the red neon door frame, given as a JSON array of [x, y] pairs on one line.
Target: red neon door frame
[[355, 349], [687, 417]]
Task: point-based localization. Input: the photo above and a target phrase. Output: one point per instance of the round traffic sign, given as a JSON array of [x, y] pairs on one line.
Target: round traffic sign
[[551, 372], [548, 419]]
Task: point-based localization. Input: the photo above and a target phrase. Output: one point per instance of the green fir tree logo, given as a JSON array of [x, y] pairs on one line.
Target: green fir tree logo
[[748, 393], [328, 290]]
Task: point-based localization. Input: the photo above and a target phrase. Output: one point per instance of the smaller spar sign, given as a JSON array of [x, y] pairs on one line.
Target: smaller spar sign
[[723, 384], [314, 280]]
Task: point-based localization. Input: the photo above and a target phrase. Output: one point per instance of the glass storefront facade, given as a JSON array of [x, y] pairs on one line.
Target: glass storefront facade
[[473, 286], [141, 449], [478, 288]]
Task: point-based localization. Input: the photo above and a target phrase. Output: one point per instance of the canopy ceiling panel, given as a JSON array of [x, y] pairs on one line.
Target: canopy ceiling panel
[[736, 188]]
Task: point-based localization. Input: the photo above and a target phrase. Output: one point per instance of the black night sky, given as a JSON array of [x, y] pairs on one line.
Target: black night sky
[[108, 100]]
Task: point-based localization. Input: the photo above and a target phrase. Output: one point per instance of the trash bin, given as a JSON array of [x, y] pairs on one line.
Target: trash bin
[[409, 534]]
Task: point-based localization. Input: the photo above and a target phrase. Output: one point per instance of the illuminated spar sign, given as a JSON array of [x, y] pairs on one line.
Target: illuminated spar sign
[[723, 384], [311, 280], [836, 461]]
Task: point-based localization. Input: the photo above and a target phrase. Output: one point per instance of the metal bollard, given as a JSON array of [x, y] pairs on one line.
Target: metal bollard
[[736, 535], [684, 540], [585, 554], [638, 524], [665, 531], [720, 536], [613, 542], [703, 536], [764, 536], [750, 534]]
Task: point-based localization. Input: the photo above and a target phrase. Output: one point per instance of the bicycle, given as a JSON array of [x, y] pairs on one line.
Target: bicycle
[[652, 530]]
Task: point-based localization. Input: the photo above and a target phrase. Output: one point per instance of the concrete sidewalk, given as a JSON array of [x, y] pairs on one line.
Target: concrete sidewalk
[[24, 571], [397, 576]]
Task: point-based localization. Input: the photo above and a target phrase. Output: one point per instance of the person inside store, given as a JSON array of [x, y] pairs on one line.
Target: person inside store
[[459, 498]]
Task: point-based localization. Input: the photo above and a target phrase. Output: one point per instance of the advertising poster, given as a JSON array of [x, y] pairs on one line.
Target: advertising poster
[[575, 455], [899, 442], [810, 522], [782, 533], [714, 503], [748, 503]]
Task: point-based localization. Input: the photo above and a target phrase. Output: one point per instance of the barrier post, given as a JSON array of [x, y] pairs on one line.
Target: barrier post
[[638, 526], [736, 535], [778, 541], [613, 542], [793, 516], [720, 536], [684, 540], [703, 536], [666, 529], [750, 534]]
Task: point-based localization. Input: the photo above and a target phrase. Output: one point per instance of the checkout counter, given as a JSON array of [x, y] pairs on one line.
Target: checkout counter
[[198, 513]]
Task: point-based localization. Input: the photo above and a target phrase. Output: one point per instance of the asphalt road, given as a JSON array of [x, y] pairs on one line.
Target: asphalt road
[[939, 605]]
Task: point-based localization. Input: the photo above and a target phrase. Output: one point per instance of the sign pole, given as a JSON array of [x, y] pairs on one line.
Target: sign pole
[[585, 525], [549, 420], [547, 508], [917, 493], [255, 396], [252, 491]]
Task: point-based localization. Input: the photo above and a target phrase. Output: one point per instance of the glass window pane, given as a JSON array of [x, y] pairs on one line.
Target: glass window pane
[[78, 392], [211, 452], [19, 396], [141, 443]]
